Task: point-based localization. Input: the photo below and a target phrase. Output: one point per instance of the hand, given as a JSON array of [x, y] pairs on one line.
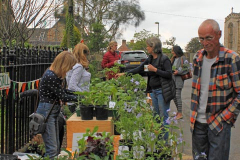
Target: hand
[[119, 74], [175, 72], [152, 68]]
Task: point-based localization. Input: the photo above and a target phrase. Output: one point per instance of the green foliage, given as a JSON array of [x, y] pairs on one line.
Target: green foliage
[[97, 38], [14, 43], [171, 41], [140, 40], [193, 46], [95, 145], [76, 37], [72, 35]]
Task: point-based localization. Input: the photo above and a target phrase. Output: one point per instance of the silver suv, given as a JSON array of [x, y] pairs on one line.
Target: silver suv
[[132, 59]]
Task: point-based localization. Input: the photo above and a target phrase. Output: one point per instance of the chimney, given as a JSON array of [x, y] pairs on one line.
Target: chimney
[[132, 41], [124, 42]]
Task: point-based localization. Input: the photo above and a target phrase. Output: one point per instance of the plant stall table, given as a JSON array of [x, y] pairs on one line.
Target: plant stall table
[[77, 125]]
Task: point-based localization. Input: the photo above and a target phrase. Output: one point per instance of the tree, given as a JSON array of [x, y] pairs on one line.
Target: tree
[[140, 40], [76, 38], [193, 46], [19, 18], [107, 12], [171, 41], [96, 39]]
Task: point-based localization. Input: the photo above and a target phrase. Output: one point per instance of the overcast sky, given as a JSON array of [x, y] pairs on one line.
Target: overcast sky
[[181, 18]]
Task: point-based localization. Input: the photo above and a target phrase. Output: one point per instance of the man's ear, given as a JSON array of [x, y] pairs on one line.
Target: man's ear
[[220, 34]]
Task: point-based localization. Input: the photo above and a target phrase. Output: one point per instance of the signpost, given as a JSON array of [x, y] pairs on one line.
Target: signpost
[[4, 81]]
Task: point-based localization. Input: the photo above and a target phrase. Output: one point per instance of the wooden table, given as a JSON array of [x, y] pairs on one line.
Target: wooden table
[[77, 125]]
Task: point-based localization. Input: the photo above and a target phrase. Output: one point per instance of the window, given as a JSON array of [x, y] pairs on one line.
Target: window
[[230, 35]]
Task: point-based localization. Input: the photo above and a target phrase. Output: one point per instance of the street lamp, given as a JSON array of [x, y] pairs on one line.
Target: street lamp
[[158, 27]]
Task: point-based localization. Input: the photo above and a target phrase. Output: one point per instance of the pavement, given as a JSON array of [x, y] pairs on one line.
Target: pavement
[[184, 124]]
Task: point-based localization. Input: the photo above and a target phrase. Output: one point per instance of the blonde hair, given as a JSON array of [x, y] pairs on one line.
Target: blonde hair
[[63, 63], [80, 51], [111, 44]]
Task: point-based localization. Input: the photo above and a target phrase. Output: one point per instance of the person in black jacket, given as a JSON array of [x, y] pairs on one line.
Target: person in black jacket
[[52, 92], [155, 71]]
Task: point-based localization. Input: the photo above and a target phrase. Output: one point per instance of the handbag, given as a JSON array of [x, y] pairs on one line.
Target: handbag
[[37, 124], [168, 86], [188, 75]]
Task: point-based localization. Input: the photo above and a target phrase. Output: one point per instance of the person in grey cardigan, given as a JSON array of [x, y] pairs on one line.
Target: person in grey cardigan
[[177, 60], [78, 78]]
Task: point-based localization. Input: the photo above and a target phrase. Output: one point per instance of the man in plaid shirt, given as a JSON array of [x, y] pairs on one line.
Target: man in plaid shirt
[[215, 95]]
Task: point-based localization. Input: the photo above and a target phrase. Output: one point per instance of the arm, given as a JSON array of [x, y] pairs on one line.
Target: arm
[[60, 92], [139, 68], [105, 62], [166, 73], [232, 111], [75, 78], [181, 72]]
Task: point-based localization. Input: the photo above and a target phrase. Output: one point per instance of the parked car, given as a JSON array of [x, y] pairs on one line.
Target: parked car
[[132, 59]]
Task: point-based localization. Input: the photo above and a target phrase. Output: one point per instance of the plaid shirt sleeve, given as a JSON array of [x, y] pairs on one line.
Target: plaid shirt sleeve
[[231, 112]]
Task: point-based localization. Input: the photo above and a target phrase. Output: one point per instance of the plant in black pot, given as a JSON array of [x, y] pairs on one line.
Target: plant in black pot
[[101, 99], [94, 145], [85, 104]]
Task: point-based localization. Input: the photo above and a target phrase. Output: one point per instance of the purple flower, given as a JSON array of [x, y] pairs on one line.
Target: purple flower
[[137, 83], [168, 110], [135, 90], [168, 120], [180, 140], [129, 110], [151, 107], [175, 120], [139, 115], [132, 80]]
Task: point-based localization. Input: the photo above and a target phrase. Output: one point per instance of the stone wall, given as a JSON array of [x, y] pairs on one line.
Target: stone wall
[[233, 18]]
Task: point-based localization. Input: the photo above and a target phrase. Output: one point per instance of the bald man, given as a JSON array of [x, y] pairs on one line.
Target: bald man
[[215, 95]]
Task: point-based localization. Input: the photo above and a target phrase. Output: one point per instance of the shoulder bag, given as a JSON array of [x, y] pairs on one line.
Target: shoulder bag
[[188, 75], [37, 124]]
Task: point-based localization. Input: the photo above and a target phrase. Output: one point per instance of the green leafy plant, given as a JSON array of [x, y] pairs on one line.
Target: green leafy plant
[[186, 66], [94, 145]]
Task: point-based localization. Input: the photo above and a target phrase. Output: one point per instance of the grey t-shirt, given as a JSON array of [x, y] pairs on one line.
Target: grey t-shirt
[[205, 79]]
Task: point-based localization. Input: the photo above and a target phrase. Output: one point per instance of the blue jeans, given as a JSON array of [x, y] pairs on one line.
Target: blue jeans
[[51, 134], [204, 141], [160, 106]]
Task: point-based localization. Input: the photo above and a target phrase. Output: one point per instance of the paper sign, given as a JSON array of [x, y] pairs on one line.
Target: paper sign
[[5, 81]]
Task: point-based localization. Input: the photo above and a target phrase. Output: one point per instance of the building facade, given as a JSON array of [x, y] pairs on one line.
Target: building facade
[[232, 32]]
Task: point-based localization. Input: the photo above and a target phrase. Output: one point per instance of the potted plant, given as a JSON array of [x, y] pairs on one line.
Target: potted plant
[[85, 105], [94, 145]]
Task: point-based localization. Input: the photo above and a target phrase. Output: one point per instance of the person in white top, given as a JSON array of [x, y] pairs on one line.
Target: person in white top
[[78, 78]]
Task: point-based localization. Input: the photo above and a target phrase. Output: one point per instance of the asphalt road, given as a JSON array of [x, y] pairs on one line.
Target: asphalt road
[[185, 125]]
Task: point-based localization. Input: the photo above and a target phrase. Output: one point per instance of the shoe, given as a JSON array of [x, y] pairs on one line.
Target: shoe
[[180, 117]]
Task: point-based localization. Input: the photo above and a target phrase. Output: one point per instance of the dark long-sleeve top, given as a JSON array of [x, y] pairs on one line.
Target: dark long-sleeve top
[[153, 77], [51, 89]]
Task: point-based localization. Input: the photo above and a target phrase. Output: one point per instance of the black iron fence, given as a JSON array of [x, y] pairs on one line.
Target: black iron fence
[[25, 67]]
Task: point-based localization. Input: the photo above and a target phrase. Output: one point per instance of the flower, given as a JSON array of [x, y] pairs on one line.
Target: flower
[[186, 66], [137, 83]]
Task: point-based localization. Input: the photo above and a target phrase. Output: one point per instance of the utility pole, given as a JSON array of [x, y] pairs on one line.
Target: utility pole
[[158, 27]]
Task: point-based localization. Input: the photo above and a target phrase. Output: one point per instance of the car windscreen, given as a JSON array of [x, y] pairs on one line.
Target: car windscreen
[[133, 55]]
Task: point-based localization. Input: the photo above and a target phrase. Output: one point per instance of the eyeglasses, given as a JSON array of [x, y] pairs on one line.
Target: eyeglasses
[[208, 38]]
